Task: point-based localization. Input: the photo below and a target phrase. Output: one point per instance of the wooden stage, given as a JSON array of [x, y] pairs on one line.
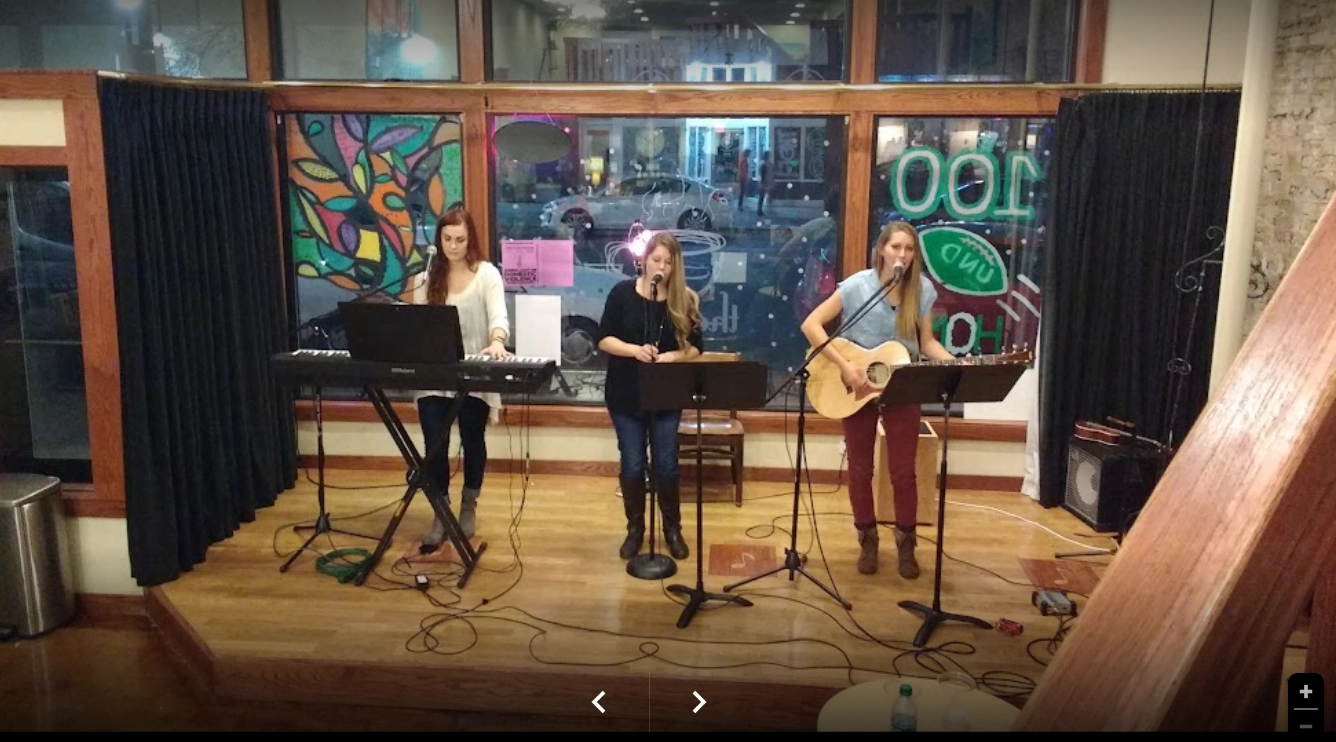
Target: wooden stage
[[550, 618]]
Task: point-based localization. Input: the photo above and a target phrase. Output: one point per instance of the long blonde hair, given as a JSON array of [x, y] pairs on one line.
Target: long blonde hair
[[911, 290], [683, 303]]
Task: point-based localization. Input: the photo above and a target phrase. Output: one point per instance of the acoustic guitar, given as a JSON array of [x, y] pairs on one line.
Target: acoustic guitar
[[831, 398], [1088, 430]]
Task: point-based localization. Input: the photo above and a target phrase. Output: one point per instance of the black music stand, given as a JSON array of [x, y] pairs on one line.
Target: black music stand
[[732, 385], [948, 384]]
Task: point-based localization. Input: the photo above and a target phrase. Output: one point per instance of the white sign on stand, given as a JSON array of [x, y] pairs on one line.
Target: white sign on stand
[[538, 326]]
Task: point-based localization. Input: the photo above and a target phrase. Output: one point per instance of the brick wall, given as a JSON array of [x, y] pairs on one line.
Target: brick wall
[[1299, 164]]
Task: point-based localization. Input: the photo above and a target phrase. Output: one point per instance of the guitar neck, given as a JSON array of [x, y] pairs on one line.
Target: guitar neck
[[977, 360]]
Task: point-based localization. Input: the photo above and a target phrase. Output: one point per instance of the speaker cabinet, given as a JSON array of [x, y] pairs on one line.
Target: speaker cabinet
[[1108, 484]]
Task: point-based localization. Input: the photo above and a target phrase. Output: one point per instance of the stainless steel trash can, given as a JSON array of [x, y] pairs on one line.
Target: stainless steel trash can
[[36, 588]]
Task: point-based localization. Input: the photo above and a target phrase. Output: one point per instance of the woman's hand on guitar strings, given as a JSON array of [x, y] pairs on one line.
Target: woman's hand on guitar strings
[[856, 381]]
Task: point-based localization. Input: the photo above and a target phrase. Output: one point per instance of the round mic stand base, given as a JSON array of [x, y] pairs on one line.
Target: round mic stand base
[[651, 566]]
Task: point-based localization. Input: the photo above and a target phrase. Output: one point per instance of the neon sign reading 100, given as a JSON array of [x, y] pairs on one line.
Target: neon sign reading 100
[[1001, 198]]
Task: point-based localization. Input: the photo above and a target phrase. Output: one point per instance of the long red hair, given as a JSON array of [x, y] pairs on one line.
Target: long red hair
[[438, 279]]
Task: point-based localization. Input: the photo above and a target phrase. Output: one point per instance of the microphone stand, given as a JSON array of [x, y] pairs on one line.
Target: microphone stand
[[793, 561], [651, 566], [322, 522]]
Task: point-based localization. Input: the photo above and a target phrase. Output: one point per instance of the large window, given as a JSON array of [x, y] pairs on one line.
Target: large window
[[363, 196], [976, 40], [976, 190], [43, 409], [691, 41], [165, 37], [755, 203], [369, 39]]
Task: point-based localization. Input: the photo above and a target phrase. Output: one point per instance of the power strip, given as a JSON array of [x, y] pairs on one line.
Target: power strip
[[1052, 603]]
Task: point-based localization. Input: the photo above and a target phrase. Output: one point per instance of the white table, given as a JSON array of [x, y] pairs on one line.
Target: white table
[[866, 707]]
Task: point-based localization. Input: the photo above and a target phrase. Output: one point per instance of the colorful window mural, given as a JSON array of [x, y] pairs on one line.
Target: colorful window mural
[[363, 195], [977, 192]]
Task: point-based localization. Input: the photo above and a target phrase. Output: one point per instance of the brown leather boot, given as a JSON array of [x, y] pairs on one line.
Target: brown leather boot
[[904, 542], [869, 540]]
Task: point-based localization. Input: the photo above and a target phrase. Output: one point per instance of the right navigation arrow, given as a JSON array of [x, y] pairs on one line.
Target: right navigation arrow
[[702, 701]]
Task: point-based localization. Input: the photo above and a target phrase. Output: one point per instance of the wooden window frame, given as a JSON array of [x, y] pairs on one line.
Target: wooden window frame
[[860, 101], [82, 158]]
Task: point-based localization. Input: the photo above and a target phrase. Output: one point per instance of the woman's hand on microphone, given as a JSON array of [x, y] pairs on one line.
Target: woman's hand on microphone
[[646, 353]]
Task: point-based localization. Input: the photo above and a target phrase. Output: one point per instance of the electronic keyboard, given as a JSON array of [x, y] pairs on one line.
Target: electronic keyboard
[[476, 373]]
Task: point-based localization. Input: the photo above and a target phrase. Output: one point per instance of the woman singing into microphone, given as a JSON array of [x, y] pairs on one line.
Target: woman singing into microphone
[[651, 319], [905, 314]]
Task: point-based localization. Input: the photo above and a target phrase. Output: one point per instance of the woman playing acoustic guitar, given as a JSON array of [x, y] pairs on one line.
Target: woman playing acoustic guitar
[[905, 316]]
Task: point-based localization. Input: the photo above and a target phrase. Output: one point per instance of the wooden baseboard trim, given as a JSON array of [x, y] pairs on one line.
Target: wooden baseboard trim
[[569, 416], [102, 611], [85, 501], [32, 156], [984, 482], [714, 474]]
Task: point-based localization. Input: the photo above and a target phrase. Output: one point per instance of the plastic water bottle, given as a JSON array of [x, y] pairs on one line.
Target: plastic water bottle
[[904, 714]]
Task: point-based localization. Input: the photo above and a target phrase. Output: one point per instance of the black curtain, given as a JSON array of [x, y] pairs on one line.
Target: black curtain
[[208, 435], [1137, 179]]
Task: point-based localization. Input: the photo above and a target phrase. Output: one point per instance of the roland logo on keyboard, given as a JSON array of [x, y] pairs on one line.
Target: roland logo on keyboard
[[401, 370]]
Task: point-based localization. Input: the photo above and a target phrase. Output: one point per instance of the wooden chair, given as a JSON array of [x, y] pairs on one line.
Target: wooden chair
[[722, 434]]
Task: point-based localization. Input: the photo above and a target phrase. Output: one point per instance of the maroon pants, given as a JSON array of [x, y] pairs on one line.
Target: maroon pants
[[901, 424]]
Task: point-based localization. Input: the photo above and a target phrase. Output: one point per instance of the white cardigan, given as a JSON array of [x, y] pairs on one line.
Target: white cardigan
[[482, 310]]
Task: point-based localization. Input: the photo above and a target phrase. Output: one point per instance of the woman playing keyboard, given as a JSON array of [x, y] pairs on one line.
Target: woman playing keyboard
[[458, 276]]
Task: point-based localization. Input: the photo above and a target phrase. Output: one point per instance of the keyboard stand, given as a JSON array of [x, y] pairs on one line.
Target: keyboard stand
[[561, 381], [420, 478]]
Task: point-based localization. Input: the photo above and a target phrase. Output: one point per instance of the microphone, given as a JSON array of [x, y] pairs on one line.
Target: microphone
[[658, 278], [431, 253], [896, 272]]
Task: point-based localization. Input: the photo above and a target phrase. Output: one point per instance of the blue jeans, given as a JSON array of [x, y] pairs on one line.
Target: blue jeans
[[632, 441]]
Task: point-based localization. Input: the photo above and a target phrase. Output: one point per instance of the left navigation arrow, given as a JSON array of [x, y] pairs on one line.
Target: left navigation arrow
[[595, 702]]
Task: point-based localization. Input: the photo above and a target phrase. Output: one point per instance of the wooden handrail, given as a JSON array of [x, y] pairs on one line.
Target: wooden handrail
[[1186, 628]]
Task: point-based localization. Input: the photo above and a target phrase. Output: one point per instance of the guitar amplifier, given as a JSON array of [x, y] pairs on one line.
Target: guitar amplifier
[[1106, 484]]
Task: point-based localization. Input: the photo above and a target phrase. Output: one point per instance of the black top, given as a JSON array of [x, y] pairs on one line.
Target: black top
[[625, 317]]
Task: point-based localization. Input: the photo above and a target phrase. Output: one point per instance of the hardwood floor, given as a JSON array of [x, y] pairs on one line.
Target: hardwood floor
[[548, 621]]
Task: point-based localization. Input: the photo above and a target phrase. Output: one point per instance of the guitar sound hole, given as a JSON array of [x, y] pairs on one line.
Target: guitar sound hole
[[878, 374]]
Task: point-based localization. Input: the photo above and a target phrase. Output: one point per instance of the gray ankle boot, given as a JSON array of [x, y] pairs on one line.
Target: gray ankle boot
[[436, 535], [468, 511]]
